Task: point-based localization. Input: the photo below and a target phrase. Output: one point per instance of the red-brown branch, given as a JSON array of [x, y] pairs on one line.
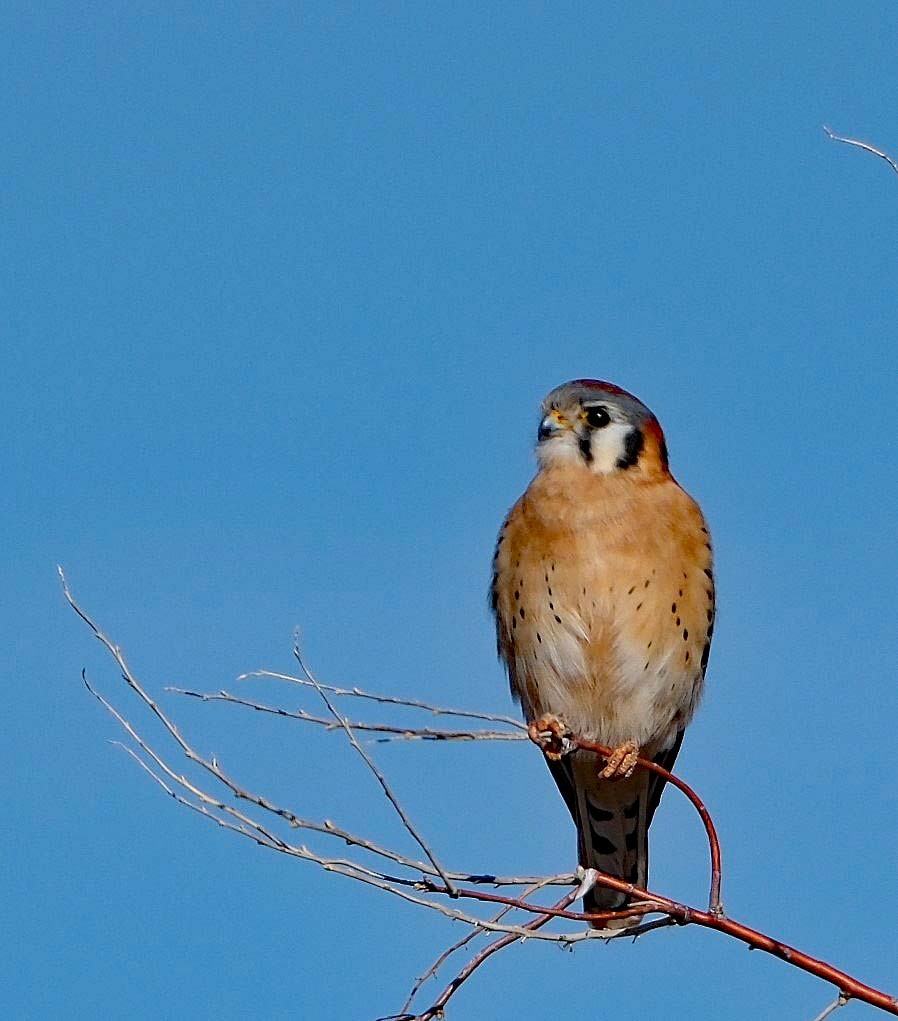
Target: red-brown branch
[[713, 918], [849, 987], [714, 905], [558, 740]]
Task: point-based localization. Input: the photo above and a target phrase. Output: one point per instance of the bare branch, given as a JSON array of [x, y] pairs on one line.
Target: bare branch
[[381, 779], [424, 885], [411, 703], [398, 733], [839, 1001], [211, 765], [464, 941], [437, 1007], [862, 145]]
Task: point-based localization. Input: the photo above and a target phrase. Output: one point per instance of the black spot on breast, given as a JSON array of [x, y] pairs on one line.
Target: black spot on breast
[[514, 623], [650, 643], [710, 616], [557, 618], [646, 666], [685, 634], [634, 441], [709, 573], [631, 590], [686, 660], [647, 582], [678, 621], [539, 637], [673, 607], [639, 606], [517, 594]]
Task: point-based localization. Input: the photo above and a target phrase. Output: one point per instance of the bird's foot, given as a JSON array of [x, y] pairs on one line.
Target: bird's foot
[[621, 762], [552, 734]]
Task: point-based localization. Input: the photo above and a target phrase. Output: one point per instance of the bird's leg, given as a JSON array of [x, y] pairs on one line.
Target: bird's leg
[[552, 734], [621, 762]]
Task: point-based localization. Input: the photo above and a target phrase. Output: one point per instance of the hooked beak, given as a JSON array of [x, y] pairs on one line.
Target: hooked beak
[[553, 424]]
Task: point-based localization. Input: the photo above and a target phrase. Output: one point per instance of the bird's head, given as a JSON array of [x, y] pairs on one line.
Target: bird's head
[[602, 427]]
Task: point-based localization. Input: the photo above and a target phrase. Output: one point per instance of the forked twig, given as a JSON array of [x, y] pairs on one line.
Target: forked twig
[[435, 1010], [463, 942], [839, 1001], [381, 779]]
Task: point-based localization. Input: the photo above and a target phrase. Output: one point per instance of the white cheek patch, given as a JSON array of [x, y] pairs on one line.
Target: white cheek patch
[[608, 446]]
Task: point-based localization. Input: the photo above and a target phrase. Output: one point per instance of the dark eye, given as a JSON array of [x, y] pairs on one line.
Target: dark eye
[[597, 417]]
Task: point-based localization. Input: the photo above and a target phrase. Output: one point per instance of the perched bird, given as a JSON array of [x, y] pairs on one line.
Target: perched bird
[[603, 594]]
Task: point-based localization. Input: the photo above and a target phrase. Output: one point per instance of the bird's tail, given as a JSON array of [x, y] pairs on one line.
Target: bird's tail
[[612, 818]]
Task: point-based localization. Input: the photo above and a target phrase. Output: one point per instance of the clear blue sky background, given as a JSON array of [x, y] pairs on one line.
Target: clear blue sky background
[[282, 287]]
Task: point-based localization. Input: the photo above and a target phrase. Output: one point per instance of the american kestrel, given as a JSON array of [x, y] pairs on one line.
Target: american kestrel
[[603, 593]]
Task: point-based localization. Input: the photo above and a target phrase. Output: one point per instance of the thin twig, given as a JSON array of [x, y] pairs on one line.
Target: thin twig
[[862, 145], [437, 1007], [349, 869], [839, 1001], [211, 765], [381, 779], [398, 733], [458, 945], [411, 703]]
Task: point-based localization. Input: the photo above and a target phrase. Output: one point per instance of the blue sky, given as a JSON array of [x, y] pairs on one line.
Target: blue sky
[[283, 286]]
